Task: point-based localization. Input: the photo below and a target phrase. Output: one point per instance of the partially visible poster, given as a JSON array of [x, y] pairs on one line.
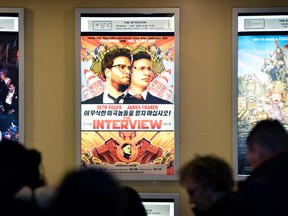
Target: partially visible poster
[[11, 118], [163, 208], [262, 74], [127, 90], [162, 204]]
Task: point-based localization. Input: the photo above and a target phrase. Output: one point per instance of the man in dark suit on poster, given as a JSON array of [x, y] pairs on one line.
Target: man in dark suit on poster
[[10, 101], [115, 66], [141, 76]]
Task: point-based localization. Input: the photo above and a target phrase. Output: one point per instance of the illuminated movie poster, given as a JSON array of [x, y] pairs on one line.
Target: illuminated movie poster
[[128, 135], [9, 76], [161, 209], [262, 78], [162, 204]]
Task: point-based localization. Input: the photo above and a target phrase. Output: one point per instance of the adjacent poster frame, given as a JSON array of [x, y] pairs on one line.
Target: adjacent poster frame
[[79, 12], [16, 128], [164, 198], [260, 28]]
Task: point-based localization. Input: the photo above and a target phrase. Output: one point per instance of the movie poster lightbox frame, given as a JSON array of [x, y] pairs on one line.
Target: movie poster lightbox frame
[[16, 129], [121, 12], [254, 27], [162, 197]]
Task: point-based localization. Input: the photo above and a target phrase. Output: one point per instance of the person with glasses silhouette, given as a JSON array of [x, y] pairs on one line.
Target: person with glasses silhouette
[[209, 182], [116, 69], [142, 75]]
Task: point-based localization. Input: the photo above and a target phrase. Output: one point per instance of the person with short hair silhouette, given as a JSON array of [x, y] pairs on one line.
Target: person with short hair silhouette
[[265, 191]]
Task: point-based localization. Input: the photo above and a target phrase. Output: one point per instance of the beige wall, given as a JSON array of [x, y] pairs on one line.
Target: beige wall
[[205, 79]]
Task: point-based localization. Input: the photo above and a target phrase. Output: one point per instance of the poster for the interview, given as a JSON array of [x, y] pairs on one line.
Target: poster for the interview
[[9, 76], [127, 94], [262, 76]]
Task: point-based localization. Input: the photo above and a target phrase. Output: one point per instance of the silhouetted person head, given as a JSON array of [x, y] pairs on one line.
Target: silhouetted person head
[[87, 192], [265, 140], [131, 204], [18, 167], [206, 179]]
